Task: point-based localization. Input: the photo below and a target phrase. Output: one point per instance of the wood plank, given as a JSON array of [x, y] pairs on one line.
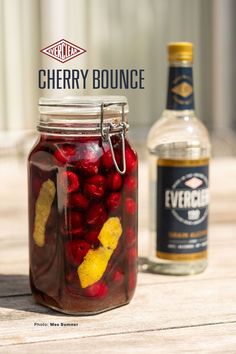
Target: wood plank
[[154, 307], [216, 338], [222, 262]]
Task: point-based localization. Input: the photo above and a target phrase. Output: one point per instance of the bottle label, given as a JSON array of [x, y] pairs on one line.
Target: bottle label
[[182, 209], [180, 90]]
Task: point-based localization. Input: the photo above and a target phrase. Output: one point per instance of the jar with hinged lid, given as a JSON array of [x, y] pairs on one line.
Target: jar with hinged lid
[[82, 179]]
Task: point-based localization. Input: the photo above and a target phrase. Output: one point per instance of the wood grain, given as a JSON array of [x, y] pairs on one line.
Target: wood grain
[[167, 315], [216, 338], [155, 306]]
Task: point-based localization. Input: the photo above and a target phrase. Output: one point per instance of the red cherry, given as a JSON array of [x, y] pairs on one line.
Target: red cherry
[[118, 158], [65, 153], [78, 200], [130, 183], [97, 180], [75, 219], [36, 185], [69, 181], [91, 151], [98, 289], [118, 276], [90, 163], [96, 215], [130, 206], [94, 186], [130, 235], [114, 181], [73, 224], [132, 280], [94, 191], [132, 256], [76, 251], [118, 252], [87, 167], [107, 160], [113, 200], [131, 159], [92, 237]]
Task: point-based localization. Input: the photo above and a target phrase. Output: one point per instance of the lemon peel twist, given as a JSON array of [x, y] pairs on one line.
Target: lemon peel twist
[[95, 262], [42, 211]]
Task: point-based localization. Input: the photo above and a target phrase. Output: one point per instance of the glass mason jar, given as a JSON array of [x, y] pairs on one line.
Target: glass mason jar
[[83, 206]]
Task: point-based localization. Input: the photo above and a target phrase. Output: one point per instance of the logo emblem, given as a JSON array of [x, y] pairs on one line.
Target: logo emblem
[[194, 183], [183, 89], [63, 51], [188, 205]]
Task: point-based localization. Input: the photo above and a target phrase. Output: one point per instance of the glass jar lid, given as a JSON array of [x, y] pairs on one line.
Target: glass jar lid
[[83, 105], [82, 114]]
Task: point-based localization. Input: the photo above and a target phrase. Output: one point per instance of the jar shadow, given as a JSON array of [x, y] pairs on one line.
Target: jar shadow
[[15, 294]]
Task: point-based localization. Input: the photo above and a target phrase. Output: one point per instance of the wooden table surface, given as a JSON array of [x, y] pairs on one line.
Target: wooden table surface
[[168, 314]]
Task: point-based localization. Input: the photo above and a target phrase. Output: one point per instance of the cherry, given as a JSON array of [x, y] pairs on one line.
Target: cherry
[[92, 237], [69, 181], [132, 280], [87, 167], [75, 219], [65, 153], [130, 235], [91, 150], [76, 250], [107, 160], [90, 163], [130, 206], [113, 200], [130, 183], [99, 289], [131, 159], [132, 256], [36, 185], [96, 214], [94, 186], [118, 276], [114, 181], [78, 200], [73, 223], [94, 191], [97, 180]]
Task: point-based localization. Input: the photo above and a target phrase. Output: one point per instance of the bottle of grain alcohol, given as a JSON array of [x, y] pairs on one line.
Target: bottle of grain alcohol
[[179, 151]]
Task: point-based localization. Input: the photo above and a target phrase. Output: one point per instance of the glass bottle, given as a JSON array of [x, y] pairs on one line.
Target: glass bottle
[[179, 151], [83, 206]]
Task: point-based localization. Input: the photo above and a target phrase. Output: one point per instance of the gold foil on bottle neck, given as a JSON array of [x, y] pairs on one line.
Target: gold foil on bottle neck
[[180, 51]]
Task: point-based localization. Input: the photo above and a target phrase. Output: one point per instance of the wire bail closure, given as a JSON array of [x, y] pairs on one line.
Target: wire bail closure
[[106, 131]]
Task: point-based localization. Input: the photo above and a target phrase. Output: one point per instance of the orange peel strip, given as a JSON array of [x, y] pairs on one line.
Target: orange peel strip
[[95, 262], [42, 211]]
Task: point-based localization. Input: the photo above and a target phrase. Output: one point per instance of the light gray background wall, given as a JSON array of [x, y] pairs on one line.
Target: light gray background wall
[[119, 34]]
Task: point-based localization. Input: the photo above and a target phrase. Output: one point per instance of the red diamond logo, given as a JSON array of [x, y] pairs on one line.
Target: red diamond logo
[[63, 50]]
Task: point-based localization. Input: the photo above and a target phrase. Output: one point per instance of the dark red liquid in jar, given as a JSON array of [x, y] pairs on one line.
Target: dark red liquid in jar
[[74, 190]]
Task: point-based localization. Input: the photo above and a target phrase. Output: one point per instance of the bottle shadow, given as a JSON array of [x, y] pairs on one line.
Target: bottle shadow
[[15, 294]]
